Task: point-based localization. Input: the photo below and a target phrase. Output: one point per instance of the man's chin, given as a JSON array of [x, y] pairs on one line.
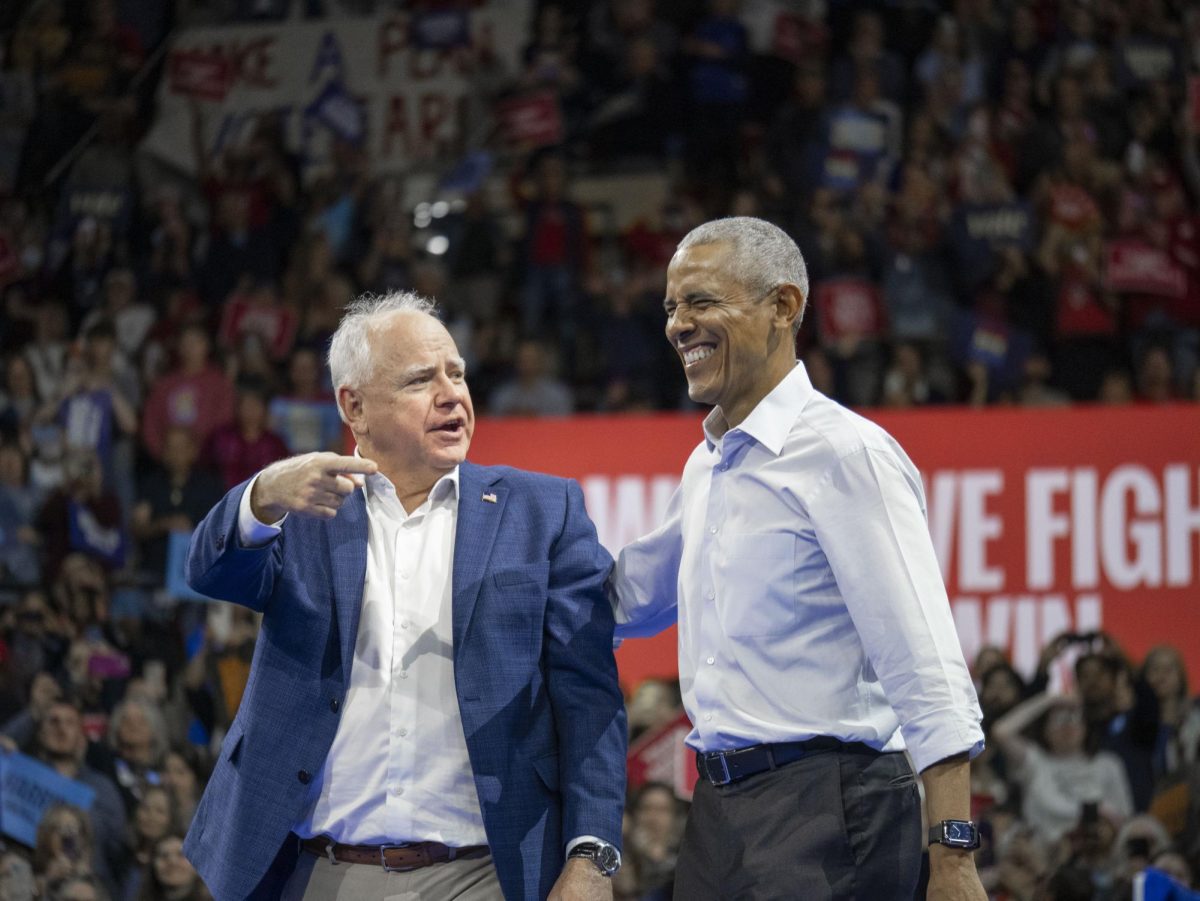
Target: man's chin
[[701, 394]]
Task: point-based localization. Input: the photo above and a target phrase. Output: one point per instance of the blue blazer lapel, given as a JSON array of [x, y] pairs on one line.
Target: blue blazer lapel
[[478, 522], [347, 535]]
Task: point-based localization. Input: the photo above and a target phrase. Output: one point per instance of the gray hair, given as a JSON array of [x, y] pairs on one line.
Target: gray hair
[[154, 717], [761, 256], [350, 361]]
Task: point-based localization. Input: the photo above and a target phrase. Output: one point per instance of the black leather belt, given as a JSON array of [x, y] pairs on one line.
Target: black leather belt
[[394, 858], [725, 767]]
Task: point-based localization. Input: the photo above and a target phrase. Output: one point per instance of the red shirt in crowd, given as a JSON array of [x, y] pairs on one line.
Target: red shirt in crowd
[[236, 457], [200, 402]]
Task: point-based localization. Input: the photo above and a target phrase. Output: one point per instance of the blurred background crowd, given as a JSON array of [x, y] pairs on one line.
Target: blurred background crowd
[[997, 200]]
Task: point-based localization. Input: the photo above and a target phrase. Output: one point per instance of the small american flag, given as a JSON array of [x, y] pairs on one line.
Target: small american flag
[[489, 498]]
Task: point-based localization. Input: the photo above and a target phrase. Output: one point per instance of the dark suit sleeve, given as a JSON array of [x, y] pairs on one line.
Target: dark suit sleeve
[[217, 564], [589, 710]]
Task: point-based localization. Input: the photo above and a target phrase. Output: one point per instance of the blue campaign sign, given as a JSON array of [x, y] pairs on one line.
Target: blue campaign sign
[[27, 788], [177, 586], [1154, 885]]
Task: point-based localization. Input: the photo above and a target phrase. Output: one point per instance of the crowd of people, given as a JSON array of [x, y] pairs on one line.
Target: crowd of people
[[998, 203]]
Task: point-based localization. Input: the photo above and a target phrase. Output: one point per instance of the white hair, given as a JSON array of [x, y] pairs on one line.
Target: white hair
[[350, 360], [761, 255], [160, 742]]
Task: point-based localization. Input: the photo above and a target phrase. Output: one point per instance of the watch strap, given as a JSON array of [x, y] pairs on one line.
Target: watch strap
[[605, 856]]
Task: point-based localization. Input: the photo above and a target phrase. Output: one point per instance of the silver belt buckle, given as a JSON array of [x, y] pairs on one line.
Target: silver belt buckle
[[720, 755], [383, 849]]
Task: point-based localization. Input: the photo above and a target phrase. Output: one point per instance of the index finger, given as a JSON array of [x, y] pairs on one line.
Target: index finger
[[340, 465]]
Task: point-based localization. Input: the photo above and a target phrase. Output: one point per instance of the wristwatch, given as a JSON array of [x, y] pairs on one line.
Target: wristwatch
[[605, 856], [961, 834]]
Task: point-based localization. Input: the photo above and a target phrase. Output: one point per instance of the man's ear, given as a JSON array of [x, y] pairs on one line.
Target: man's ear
[[789, 305], [350, 402]]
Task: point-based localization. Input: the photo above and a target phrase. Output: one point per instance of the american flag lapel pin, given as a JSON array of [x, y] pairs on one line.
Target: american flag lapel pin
[[489, 497]]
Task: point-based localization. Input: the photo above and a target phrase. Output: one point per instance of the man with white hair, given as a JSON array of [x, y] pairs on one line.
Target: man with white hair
[[433, 709], [815, 636]]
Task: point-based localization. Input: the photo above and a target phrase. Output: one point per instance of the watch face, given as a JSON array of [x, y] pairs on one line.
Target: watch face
[[959, 833], [607, 858]]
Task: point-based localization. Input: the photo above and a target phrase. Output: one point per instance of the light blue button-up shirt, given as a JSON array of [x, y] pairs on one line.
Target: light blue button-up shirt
[[796, 558]]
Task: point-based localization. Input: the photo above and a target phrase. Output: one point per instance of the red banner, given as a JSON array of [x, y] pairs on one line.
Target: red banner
[[1135, 266], [1044, 520], [199, 73], [531, 120]]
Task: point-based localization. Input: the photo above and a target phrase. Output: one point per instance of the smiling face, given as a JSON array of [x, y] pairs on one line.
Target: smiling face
[[152, 818], [735, 344], [171, 868], [413, 416]]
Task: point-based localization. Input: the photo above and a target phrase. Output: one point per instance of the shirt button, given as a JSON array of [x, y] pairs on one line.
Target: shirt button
[[334, 704], [711, 660], [402, 732], [403, 674], [404, 574], [708, 717], [304, 776], [711, 595], [403, 624], [398, 790], [712, 529]]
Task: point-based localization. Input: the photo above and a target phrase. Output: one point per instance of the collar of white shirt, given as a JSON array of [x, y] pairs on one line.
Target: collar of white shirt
[[770, 422], [380, 486]]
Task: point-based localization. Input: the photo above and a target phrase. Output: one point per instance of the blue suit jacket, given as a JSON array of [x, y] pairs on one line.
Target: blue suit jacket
[[534, 673]]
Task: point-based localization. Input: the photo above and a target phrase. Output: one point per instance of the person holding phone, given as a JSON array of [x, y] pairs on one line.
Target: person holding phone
[[1056, 774]]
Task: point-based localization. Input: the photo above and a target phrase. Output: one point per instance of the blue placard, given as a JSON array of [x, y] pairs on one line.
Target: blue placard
[[1154, 885], [27, 788], [177, 586]]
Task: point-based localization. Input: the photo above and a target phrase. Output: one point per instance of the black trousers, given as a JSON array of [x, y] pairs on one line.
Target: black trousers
[[838, 825]]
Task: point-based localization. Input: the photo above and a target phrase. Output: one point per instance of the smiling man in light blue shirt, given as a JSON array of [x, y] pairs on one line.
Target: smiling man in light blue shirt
[[815, 636]]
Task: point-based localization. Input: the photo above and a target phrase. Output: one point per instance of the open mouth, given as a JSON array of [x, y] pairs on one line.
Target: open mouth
[[451, 426], [697, 353]]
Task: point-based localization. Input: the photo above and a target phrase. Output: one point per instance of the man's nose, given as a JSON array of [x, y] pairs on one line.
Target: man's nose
[[679, 324], [450, 393]]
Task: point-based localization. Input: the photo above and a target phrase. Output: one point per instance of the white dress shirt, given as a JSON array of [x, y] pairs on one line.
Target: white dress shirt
[[796, 558], [398, 769]]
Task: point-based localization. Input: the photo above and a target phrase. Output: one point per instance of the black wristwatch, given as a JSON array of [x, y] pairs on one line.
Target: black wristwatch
[[961, 834], [605, 856]]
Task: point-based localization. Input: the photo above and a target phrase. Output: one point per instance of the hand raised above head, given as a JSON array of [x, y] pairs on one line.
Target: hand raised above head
[[308, 485]]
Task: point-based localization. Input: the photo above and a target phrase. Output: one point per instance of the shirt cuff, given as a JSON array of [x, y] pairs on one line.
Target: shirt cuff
[[582, 839], [941, 734], [251, 532]]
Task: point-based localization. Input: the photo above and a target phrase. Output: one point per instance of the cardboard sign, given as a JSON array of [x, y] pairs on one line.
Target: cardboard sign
[[27, 789], [177, 586]]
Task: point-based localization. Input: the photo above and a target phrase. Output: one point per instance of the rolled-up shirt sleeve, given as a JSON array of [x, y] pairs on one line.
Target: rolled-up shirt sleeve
[[869, 518]]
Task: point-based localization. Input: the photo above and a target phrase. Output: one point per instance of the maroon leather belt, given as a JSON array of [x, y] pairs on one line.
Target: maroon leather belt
[[394, 858]]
